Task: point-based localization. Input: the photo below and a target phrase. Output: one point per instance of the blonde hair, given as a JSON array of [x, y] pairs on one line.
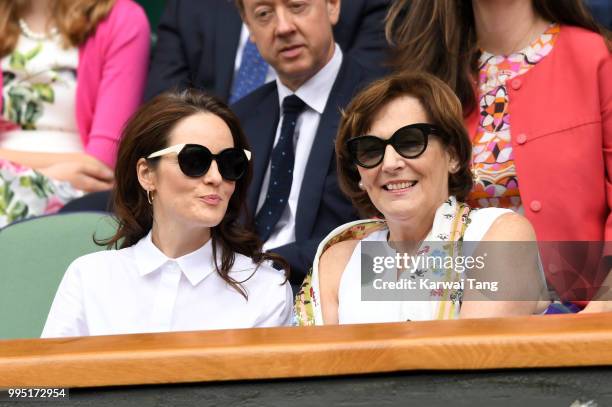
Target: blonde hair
[[76, 20]]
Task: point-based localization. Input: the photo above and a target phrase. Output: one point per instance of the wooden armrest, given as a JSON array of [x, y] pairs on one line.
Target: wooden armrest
[[524, 342]]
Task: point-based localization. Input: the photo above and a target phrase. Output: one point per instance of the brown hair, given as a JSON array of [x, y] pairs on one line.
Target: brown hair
[[439, 37], [148, 131], [443, 110], [76, 20]]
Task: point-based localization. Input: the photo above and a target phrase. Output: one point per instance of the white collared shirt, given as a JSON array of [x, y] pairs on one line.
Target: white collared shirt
[[315, 93], [139, 289]]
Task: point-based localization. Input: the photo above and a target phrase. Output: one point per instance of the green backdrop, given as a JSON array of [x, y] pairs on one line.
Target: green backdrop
[[154, 9]]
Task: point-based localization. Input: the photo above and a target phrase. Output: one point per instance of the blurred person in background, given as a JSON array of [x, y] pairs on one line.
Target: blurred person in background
[[535, 81], [205, 44], [292, 122], [73, 71]]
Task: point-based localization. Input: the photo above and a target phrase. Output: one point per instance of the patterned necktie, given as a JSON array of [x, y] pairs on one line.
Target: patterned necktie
[[251, 74], [281, 170]]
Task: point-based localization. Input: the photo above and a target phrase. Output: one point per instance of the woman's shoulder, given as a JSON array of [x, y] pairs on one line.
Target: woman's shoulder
[[479, 215], [581, 33], [351, 232], [128, 8], [338, 253], [498, 224], [583, 40], [125, 17], [339, 245], [92, 263]]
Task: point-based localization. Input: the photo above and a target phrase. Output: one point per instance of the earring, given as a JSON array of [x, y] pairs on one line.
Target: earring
[[149, 198], [360, 185]]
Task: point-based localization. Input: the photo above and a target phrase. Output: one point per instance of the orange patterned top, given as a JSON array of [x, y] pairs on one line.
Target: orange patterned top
[[496, 183]]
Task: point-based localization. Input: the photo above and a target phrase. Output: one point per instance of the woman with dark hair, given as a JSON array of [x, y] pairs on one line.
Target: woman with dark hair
[[535, 81], [404, 160], [72, 73], [184, 260]]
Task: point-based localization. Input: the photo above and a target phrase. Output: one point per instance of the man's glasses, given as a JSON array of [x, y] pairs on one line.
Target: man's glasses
[[194, 160], [409, 142]]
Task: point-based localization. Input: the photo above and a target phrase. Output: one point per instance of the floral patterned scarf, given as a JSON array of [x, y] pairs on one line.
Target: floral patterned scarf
[[450, 222]]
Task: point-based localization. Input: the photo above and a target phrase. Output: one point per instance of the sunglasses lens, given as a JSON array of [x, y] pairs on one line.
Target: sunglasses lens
[[232, 163], [410, 142], [367, 151], [194, 160]]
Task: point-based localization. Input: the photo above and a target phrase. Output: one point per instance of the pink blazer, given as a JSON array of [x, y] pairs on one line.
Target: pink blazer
[[561, 123], [111, 77]]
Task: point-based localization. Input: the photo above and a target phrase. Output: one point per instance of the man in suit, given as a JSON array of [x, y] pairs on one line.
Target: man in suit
[[200, 43], [291, 124]]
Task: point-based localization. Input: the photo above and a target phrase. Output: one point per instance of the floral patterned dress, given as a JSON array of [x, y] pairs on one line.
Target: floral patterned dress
[[39, 96], [496, 182]]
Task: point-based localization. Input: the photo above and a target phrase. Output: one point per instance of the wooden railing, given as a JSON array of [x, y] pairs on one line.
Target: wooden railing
[[526, 342]]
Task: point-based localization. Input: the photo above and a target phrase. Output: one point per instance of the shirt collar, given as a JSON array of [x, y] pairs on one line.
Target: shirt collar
[[315, 91], [196, 266]]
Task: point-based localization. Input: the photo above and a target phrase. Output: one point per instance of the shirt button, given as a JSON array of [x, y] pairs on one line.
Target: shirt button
[[535, 206], [516, 84], [521, 138]]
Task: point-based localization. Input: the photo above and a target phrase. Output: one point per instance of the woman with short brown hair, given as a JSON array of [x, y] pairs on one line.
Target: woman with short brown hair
[[404, 160], [440, 106], [73, 71]]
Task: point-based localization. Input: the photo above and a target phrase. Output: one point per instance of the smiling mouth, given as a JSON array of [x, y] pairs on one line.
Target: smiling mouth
[[398, 186]]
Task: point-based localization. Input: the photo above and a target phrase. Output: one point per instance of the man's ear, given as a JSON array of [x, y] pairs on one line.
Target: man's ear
[[146, 175], [333, 10]]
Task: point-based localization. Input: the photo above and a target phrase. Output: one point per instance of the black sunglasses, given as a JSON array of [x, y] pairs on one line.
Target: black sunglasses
[[409, 142], [194, 160]]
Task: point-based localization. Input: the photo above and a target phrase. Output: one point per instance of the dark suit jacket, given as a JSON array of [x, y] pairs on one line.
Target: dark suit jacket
[[198, 39], [321, 205]]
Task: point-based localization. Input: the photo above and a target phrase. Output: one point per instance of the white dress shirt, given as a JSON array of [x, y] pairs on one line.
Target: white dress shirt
[[315, 93], [139, 289]]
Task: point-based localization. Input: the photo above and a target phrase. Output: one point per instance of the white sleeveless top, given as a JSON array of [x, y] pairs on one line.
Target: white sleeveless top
[[352, 310]]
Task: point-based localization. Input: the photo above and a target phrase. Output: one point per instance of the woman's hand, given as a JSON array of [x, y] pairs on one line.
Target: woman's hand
[[83, 172]]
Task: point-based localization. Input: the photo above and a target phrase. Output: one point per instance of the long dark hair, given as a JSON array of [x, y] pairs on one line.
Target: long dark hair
[[148, 131], [439, 37]]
